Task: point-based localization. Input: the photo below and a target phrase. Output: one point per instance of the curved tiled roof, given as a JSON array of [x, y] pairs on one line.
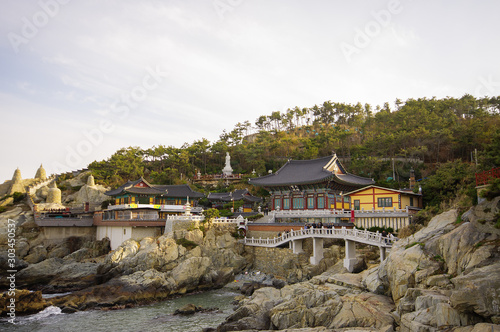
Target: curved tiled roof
[[166, 190], [235, 195], [182, 190], [296, 172]]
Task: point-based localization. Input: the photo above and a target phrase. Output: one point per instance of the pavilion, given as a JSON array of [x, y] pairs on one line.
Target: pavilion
[[317, 184]]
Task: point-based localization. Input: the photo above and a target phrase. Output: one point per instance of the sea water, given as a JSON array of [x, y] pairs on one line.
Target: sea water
[[147, 318]]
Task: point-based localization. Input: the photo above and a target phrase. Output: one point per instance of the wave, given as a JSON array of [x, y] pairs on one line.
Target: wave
[[49, 311]]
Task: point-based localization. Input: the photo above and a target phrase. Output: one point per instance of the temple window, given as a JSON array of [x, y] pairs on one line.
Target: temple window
[[310, 202], [384, 202], [321, 202], [286, 203]]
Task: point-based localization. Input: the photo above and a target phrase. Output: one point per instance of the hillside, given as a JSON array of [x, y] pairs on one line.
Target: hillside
[[444, 140]]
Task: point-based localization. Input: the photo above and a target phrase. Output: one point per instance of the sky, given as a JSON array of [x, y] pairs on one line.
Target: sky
[[81, 79]]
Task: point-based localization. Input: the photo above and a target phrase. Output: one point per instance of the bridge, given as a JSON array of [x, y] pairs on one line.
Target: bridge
[[350, 235]]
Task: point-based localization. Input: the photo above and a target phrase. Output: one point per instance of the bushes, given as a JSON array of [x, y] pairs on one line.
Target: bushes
[[188, 244], [492, 191], [18, 196]]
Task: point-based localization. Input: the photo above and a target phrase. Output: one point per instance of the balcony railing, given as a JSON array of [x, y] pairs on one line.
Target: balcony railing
[[487, 176], [340, 213]]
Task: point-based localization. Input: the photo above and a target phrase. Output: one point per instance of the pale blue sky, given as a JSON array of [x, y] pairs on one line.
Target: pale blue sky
[[169, 72]]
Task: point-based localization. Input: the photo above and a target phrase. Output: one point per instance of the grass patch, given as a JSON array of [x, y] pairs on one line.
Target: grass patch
[[237, 233], [3, 209], [255, 217], [202, 228], [438, 258], [414, 244]]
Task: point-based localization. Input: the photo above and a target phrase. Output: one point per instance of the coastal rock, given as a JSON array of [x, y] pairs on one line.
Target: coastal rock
[[372, 282], [138, 287], [26, 302], [188, 273], [411, 261], [36, 255], [154, 269], [309, 304], [478, 291], [55, 274], [22, 247]]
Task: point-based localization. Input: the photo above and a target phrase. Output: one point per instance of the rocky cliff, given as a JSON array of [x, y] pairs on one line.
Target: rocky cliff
[[157, 268], [444, 277]]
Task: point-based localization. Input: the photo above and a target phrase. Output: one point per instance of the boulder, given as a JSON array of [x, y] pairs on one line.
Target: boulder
[[7, 201], [26, 302], [310, 304], [36, 255], [478, 291], [56, 275], [187, 309]]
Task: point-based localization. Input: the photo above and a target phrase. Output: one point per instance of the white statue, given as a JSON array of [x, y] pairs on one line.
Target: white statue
[[227, 170]]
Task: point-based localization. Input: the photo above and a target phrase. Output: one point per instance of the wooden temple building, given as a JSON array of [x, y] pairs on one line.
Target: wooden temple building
[[141, 210], [218, 200], [318, 184]]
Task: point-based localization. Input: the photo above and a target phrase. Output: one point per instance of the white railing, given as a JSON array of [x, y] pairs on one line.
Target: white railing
[[230, 221], [215, 221], [362, 236], [339, 213]]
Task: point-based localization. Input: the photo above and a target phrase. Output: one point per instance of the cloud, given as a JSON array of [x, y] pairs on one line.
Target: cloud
[[259, 57]]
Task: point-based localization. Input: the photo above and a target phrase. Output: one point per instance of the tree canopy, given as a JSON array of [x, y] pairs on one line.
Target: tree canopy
[[382, 142]]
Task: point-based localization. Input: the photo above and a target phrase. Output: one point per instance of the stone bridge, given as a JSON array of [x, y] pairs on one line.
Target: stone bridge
[[350, 235]]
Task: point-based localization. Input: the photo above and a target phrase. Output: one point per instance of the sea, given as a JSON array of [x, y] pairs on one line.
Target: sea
[[147, 318]]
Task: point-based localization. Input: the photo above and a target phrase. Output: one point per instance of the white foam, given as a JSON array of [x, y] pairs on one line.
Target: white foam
[[49, 311]]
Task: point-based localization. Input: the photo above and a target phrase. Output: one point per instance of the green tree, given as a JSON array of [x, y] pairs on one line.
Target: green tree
[[210, 215]]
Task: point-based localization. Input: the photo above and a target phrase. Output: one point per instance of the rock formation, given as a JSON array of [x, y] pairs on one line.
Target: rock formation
[[16, 184], [156, 268], [41, 174], [446, 276], [54, 194], [90, 192]]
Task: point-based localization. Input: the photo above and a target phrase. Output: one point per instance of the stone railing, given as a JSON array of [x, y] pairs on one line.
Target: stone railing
[[339, 213], [185, 217], [362, 236], [31, 190], [215, 221]]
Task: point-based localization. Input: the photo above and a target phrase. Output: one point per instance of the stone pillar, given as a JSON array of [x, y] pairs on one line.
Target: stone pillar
[[297, 246], [382, 253], [168, 226], [317, 251], [350, 255]]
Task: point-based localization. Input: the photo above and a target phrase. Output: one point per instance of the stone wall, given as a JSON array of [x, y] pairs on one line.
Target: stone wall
[[54, 235], [276, 261]]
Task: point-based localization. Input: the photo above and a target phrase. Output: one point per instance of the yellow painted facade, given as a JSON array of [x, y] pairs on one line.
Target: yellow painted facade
[[378, 198]]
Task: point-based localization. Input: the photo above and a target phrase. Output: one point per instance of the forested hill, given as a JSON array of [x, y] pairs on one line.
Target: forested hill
[[432, 131]]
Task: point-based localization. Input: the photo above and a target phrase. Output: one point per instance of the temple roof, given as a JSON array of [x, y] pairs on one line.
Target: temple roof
[[182, 190], [236, 195], [296, 172], [400, 191], [142, 187]]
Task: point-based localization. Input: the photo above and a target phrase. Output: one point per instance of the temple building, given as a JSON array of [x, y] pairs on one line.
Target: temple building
[[141, 209], [318, 184], [141, 194], [218, 200], [377, 198]]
